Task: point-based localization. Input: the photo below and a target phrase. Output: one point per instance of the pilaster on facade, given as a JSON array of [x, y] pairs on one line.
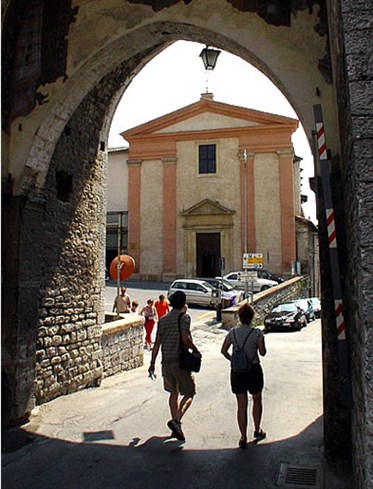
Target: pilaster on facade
[[287, 207], [247, 188], [134, 163]]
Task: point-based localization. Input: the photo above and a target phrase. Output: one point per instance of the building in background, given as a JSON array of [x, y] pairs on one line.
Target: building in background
[[117, 204], [188, 175], [308, 253]]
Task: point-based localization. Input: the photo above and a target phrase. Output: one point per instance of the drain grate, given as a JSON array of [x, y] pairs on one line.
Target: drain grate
[[298, 477]]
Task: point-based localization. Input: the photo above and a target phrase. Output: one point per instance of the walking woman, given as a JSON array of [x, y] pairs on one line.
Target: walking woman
[[251, 340], [150, 314]]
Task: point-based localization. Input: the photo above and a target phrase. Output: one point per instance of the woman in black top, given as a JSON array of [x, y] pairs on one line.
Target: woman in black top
[[251, 381]]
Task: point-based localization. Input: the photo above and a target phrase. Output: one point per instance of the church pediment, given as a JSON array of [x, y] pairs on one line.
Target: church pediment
[[209, 115], [207, 207]]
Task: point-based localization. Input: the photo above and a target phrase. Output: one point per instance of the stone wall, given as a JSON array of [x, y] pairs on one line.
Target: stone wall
[[122, 344], [351, 47], [263, 302], [54, 270]]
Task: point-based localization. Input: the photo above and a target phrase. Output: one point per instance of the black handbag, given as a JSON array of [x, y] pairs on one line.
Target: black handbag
[[189, 361]]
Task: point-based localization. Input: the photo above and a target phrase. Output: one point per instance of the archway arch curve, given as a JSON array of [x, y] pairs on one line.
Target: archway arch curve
[[127, 55]]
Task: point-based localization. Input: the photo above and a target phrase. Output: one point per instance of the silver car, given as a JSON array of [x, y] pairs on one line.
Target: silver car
[[197, 291]]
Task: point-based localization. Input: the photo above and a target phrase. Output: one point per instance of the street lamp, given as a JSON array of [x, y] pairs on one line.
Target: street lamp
[[209, 57]]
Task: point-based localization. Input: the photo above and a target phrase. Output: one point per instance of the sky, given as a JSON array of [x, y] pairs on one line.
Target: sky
[[176, 78]]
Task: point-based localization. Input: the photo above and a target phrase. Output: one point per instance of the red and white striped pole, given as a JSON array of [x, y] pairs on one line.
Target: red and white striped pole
[[343, 363]]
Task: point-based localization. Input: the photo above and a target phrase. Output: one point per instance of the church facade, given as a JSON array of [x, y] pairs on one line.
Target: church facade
[[207, 181]]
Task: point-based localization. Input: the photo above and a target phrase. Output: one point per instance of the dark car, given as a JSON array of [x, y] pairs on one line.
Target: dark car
[[270, 276], [285, 316], [307, 307]]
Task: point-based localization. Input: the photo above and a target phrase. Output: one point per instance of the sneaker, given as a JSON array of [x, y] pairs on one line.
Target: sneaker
[[175, 427], [259, 435]]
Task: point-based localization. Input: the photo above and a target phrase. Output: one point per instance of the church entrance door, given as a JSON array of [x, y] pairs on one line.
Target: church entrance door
[[208, 253]]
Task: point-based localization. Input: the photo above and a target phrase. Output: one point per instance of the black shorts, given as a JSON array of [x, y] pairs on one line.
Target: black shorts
[[251, 381]]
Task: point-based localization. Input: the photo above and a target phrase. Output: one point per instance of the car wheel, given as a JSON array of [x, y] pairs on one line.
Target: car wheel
[[265, 287], [298, 326]]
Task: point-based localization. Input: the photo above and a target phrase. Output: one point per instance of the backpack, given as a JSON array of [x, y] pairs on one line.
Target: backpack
[[239, 360]]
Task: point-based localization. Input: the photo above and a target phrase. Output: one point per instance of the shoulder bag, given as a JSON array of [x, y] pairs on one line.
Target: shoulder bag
[[189, 361]]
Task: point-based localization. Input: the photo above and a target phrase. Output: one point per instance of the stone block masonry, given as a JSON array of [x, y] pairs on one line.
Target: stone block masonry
[[122, 344], [263, 302], [68, 349]]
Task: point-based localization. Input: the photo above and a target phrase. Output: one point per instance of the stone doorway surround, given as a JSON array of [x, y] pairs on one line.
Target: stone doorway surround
[[207, 216]]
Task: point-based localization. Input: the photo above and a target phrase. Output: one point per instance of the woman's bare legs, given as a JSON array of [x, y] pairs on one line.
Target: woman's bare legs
[[242, 403], [257, 410]]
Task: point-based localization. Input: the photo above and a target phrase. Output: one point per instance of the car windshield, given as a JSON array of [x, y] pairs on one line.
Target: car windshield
[[227, 285], [285, 308], [209, 286]]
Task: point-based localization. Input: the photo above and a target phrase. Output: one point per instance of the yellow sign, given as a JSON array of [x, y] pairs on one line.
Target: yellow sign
[[253, 260]]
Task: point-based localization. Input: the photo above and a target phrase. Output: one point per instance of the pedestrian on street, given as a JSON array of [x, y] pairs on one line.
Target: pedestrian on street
[[251, 341], [162, 305], [175, 380], [122, 302], [134, 307], [150, 314]]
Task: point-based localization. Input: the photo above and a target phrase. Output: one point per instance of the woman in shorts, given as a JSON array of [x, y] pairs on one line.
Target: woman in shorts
[[252, 341]]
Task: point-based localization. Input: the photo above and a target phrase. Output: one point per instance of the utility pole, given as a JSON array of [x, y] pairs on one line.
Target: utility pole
[[322, 153]]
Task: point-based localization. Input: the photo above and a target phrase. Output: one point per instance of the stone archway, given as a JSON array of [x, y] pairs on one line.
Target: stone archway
[[54, 169]]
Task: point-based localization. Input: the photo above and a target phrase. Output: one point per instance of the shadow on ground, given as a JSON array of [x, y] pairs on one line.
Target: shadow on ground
[[35, 462]]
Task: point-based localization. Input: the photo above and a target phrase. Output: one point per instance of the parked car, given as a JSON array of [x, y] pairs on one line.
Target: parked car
[[316, 306], [228, 291], [259, 284], [285, 316], [269, 276], [307, 307], [197, 291]]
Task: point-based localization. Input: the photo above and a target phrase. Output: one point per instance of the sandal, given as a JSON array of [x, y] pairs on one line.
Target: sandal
[[259, 435], [242, 442]]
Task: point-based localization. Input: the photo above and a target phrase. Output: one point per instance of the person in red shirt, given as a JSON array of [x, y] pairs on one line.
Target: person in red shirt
[[162, 306]]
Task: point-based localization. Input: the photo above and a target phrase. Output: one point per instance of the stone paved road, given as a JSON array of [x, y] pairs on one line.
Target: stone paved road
[[115, 436]]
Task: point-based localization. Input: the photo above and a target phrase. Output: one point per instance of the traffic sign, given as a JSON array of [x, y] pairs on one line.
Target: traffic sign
[[248, 275], [252, 261]]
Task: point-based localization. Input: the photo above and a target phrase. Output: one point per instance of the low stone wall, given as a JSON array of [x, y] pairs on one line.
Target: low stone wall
[[263, 302], [122, 344]]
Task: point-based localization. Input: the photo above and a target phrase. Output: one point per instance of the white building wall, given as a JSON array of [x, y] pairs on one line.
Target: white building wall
[[117, 185]]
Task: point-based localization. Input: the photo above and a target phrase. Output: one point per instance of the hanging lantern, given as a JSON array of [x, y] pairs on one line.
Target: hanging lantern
[[209, 57]]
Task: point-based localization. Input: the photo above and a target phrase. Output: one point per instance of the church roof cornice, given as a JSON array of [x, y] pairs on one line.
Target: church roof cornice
[[210, 106]]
